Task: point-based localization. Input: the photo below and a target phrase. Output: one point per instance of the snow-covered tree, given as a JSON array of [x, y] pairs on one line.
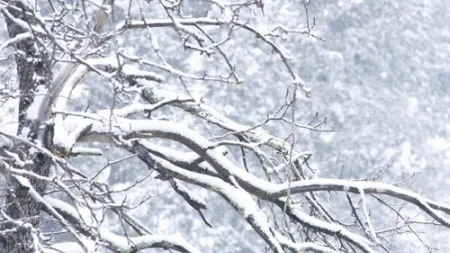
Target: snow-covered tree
[[115, 89]]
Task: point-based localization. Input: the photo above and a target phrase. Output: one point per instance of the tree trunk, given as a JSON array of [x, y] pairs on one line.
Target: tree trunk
[[34, 74]]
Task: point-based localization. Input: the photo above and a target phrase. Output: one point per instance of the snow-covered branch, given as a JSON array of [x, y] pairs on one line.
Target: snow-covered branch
[[116, 243], [110, 93]]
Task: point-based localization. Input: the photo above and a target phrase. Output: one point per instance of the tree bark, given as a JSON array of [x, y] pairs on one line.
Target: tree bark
[[34, 73]]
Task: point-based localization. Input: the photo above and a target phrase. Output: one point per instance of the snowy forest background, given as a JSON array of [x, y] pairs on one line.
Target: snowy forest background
[[381, 78]]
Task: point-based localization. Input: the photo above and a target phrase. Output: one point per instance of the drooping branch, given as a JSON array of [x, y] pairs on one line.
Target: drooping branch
[[131, 129], [244, 204]]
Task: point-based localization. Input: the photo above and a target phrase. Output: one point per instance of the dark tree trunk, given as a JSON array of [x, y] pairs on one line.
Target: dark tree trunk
[[33, 70]]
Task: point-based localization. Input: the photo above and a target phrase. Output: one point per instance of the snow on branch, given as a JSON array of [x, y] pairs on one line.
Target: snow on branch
[[18, 38], [131, 244], [302, 247], [175, 156], [24, 182], [116, 242], [323, 184], [215, 184], [209, 114], [132, 129], [128, 71], [237, 197], [180, 133], [325, 227]]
